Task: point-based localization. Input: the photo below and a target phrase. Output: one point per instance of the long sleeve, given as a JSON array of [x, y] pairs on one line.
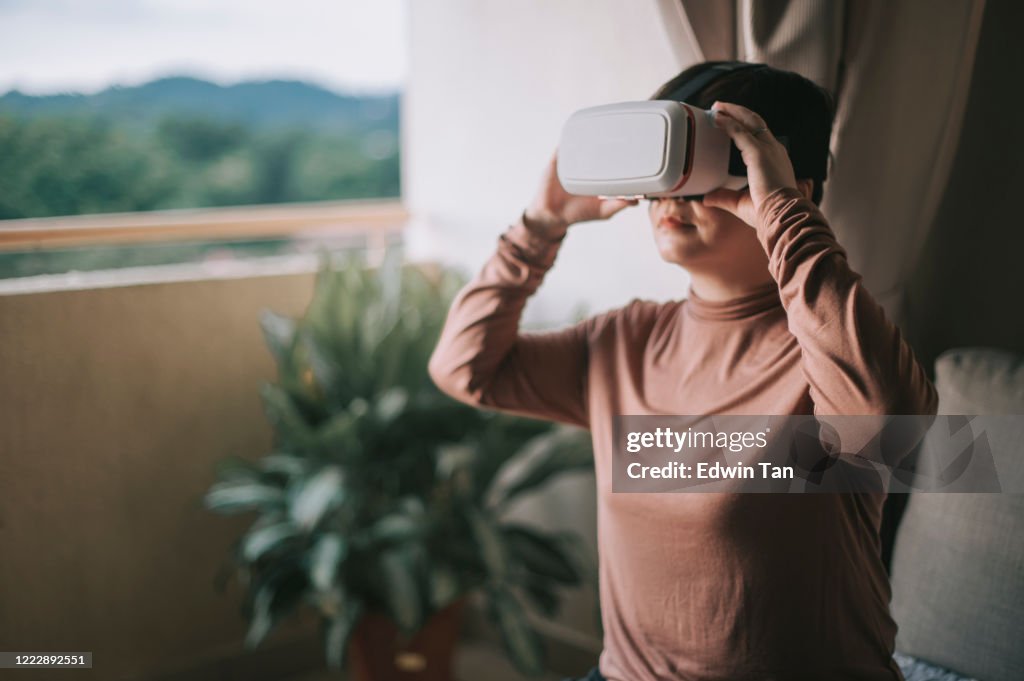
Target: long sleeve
[[855, 360], [483, 360]]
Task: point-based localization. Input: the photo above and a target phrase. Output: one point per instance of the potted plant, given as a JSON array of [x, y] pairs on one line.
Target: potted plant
[[381, 505]]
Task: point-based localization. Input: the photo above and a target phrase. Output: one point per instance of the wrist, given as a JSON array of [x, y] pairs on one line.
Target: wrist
[[544, 225], [770, 204]]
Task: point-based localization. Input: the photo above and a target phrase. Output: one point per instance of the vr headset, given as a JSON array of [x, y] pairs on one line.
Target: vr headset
[[652, 148]]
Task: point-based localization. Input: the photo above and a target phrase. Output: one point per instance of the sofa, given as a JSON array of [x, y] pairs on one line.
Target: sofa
[[957, 560]]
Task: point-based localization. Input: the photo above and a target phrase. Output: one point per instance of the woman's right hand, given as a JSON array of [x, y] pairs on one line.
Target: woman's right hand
[[554, 209]]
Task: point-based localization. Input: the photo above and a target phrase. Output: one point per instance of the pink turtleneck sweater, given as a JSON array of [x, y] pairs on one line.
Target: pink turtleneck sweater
[[711, 586]]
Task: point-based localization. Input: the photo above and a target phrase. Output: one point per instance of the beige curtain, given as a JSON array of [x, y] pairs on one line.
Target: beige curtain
[[900, 70]]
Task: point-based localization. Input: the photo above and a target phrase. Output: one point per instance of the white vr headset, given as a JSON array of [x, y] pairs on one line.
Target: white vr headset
[[653, 148], [650, 148]]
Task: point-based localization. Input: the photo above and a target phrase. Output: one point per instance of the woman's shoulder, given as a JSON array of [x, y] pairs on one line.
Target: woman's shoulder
[[636, 319]]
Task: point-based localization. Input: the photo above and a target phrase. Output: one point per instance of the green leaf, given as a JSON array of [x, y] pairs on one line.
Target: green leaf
[[452, 458], [284, 416], [412, 505], [391, 275], [505, 441], [262, 620], [521, 639], [540, 554], [289, 465], [265, 538], [561, 452], [339, 436], [316, 495], [490, 542], [339, 632], [358, 407], [276, 593], [541, 595], [279, 335], [405, 602], [238, 496], [326, 372], [444, 586], [324, 559], [395, 528], [236, 468], [391, 404]]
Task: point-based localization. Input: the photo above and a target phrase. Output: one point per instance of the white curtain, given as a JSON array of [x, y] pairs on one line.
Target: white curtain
[[900, 70]]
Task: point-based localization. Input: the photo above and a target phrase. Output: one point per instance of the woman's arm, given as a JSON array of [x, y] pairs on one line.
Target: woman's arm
[[481, 358], [854, 358]]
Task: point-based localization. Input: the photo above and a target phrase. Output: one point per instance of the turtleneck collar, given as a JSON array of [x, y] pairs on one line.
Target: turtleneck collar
[[757, 301]]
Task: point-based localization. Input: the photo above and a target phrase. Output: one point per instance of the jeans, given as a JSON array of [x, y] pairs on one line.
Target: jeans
[[593, 675]]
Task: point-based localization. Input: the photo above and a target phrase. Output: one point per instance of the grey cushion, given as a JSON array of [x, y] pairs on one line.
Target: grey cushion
[[958, 562], [980, 381]]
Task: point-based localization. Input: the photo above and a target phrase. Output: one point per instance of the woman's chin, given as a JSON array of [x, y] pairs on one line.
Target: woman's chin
[[683, 255], [679, 244]]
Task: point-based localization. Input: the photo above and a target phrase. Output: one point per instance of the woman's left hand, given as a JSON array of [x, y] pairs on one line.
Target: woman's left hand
[[768, 166]]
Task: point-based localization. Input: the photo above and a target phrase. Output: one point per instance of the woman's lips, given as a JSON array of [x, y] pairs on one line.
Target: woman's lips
[[672, 222]]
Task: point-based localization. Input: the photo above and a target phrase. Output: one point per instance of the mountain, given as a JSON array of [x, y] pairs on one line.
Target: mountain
[[262, 104]]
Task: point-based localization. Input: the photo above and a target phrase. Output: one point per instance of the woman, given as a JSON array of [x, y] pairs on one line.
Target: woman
[[713, 586]]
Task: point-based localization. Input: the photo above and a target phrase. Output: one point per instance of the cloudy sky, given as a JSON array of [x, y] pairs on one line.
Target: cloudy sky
[[86, 45]]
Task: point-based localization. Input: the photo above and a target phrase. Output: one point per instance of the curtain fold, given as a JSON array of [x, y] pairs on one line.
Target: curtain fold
[[900, 71], [898, 122], [709, 27], [805, 36]]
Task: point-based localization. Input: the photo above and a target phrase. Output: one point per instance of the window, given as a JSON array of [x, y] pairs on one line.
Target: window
[[129, 112]]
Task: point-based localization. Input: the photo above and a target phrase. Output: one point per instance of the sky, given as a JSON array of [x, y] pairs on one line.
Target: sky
[[49, 46]]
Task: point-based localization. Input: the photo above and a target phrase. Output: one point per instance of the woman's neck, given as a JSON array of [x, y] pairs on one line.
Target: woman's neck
[[715, 288]]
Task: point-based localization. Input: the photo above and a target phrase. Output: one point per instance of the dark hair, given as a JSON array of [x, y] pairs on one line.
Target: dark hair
[[791, 105]]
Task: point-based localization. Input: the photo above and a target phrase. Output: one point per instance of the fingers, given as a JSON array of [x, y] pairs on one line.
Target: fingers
[[745, 141], [726, 199], [739, 203], [610, 207], [745, 116]]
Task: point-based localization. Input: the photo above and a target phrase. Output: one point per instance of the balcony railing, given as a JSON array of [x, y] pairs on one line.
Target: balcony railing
[[65, 247], [381, 218]]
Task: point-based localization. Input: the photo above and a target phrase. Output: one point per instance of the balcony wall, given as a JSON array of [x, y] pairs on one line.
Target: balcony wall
[[117, 402]]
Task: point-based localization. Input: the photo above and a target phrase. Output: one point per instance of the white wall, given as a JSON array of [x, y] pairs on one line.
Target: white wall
[[490, 84]]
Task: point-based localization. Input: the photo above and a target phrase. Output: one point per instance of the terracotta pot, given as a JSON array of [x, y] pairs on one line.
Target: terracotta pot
[[379, 652]]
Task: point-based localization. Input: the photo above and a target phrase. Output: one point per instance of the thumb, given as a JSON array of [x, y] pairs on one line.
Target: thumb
[[726, 199], [610, 207]]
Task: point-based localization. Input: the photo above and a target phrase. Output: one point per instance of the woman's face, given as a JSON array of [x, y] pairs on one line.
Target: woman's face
[[703, 239]]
